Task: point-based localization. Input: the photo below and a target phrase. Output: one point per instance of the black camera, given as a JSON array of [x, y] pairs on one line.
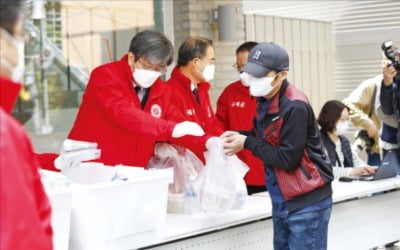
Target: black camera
[[363, 141], [390, 53]]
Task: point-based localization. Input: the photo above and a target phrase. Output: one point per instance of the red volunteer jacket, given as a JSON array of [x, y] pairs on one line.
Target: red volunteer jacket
[[111, 115], [235, 111], [24, 207], [201, 113]]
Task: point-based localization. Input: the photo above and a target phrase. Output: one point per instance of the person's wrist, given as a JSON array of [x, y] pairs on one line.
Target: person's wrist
[[387, 83]]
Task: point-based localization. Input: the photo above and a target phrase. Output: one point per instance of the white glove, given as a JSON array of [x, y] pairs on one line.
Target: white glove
[[187, 128]]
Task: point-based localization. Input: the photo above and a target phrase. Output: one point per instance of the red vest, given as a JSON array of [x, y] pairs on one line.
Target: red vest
[[235, 111], [200, 112]]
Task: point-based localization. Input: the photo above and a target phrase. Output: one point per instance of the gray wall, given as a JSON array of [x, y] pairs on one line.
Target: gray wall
[[358, 30], [193, 18]]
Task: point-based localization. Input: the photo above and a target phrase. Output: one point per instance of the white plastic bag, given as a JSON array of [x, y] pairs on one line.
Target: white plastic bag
[[221, 183], [182, 195]]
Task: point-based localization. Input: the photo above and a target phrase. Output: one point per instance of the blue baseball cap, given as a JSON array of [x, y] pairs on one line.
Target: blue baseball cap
[[265, 57]]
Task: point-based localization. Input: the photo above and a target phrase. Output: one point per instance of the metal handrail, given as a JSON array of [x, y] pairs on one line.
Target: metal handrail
[[77, 75]]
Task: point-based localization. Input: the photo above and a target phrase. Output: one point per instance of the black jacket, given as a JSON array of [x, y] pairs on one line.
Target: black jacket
[[292, 145], [386, 99], [331, 149]]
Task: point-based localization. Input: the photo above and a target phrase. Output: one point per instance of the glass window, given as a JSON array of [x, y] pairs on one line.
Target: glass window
[[65, 44]]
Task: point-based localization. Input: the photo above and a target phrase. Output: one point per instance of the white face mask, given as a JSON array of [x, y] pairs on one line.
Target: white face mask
[[17, 71], [145, 78], [245, 79], [341, 127], [261, 86], [208, 72]]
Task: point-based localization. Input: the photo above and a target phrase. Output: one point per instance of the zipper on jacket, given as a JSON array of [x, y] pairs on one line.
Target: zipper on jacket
[[305, 172]]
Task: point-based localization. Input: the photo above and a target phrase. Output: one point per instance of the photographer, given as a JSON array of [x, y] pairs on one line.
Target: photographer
[[389, 99], [361, 104]]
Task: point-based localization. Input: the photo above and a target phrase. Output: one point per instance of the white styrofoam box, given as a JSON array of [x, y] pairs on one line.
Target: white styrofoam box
[[120, 214], [60, 198]]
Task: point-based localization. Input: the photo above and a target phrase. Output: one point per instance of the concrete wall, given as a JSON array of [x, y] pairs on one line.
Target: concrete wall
[[193, 18]]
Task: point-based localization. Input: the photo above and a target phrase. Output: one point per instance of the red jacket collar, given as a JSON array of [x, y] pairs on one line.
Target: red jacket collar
[[185, 82], [126, 68], [8, 93], [274, 106]]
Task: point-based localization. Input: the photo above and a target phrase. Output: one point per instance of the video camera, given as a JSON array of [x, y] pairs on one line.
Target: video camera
[[363, 141], [392, 54]]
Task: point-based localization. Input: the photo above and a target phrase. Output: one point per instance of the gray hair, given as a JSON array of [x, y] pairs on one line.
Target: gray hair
[[153, 46]]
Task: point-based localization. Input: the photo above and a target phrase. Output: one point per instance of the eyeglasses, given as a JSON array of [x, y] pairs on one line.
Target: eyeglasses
[[237, 66]]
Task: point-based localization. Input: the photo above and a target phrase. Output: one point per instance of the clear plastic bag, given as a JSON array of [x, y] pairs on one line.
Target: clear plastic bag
[[220, 184], [183, 197]]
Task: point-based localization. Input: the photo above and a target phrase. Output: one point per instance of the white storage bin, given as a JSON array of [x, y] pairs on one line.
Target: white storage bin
[[61, 204], [60, 198], [120, 214]]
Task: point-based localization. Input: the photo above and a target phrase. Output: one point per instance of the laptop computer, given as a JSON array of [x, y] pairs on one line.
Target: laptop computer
[[397, 166], [389, 167]]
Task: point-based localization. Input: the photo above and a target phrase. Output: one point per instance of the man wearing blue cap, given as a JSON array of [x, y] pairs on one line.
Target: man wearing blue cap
[[286, 138]]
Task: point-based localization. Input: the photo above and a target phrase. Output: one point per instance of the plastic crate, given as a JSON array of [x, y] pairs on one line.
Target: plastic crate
[[119, 214], [60, 198]]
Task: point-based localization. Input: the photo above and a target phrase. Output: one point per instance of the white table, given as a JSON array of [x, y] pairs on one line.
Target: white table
[[360, 223]]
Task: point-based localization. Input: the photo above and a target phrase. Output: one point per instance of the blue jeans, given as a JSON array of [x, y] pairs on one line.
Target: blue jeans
[[306, 231], [374, 159]]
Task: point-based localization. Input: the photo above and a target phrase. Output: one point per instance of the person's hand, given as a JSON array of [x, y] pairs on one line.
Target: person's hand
[[389, 72], [187, 128], [372, 131], [357, 171], [233, 142]]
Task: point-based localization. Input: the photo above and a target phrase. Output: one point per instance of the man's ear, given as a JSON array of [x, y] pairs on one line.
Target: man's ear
[[283, 75], [131, 58], [195, 61]]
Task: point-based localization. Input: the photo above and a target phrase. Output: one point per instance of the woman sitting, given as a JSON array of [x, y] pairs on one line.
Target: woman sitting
[[334, 121]]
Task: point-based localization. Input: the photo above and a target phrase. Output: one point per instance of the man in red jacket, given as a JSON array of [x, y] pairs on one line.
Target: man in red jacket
[[126, 107], [190, 85], [236, 109], [24, 207]]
